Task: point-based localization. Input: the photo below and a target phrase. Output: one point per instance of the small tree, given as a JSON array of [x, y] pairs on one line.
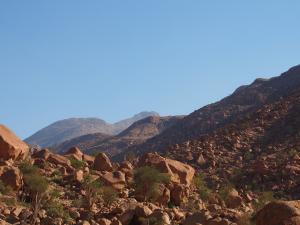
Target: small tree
[[146, 181], [36, 186], [92, 190], [200, 184]]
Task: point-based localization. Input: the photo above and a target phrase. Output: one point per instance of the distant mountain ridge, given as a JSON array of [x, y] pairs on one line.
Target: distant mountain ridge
[[67, 129], [137, 133]]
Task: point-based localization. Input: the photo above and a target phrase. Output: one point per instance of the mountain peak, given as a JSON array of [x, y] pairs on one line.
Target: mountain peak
[[70, 128]]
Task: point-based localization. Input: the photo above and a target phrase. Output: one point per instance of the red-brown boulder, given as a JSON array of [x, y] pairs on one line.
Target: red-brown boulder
[[11, 147]]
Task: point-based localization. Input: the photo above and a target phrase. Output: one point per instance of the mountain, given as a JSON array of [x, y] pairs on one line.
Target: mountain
[[260, 148], [137, 133], [124, 124], [83, 142], [217, 115], [67, 129]]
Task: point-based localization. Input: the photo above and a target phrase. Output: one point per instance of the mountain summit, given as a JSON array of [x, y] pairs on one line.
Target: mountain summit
[[67, 129]]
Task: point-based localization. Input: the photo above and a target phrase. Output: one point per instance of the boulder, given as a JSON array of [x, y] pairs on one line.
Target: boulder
[[78, 176], [160, 216], [104, 221], [179, 172], [102, 163], [59, 160], [142, 211], [89, 159], [279, 213], [179, 194], [75, 153], [11, 176], [197, 218], [126, 166], [163, 197], [233, 199], [116, 222], [11, 147], [42, 154], [114, 179]]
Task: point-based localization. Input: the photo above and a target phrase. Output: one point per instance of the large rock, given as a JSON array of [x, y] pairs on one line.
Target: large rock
[[42, 154], [233, 199], [102, 163], [11, 176], [11, 147], [114, 179], [89, 159], [179, 172], [279, 213], [74, 153], [197, 218], [59, 160], [179, 194]]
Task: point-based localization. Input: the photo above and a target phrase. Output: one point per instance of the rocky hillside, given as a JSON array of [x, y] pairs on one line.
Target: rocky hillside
[[67, 129], [259, 149], [137, 133], [83, 142], [44, 188], [215, 116]]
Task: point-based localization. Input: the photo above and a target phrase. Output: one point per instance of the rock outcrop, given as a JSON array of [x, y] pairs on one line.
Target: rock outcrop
[[179, 172], [102, 163], [279, 213], [11, 147]]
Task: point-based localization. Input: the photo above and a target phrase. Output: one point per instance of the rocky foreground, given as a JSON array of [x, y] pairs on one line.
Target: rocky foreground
[[41, 187]]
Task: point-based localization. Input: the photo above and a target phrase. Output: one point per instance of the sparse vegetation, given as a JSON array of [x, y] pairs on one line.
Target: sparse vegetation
[[263, 199], [225, 190], [77, 164], [146, 181], [201, 185], [292, 152], [5, 189], [93, 189], [36, 187], [109, 195]]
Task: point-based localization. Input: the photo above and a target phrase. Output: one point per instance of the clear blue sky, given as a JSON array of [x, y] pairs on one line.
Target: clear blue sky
[[114, 58]]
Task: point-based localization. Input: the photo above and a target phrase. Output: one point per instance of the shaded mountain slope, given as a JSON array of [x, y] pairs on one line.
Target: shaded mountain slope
[[260, 149], [219, 114], [82, 142]]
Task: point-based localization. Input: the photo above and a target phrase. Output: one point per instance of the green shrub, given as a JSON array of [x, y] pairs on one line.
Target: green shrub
[[263, 199], [36, 187], [146, 181], [93, 189], [109, 195], [5, 189], [9, 201], [56, 209], [292, 152], [200, 184], [77, 164], [225, 190]]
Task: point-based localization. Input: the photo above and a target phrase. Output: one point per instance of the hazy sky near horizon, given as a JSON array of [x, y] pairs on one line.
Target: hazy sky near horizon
[[112, 59]]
